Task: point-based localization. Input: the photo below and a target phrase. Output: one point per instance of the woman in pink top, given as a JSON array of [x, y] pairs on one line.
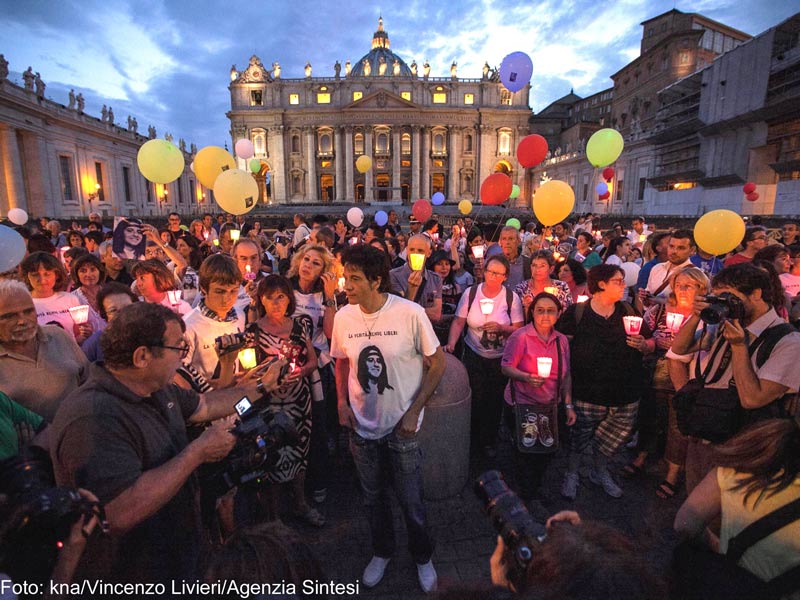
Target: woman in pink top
[[535, 340]]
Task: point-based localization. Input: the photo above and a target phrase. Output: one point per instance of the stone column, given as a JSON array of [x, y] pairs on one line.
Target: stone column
[[12, 172], [277, 164], [368, 181], [396, 164], [311, 155], [339, 160], [415, 163], [349, 160], [425, 188], [453, 152], [486, 147]]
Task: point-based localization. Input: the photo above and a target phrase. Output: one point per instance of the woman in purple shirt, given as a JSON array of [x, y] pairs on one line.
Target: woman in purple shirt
[[536, 340]]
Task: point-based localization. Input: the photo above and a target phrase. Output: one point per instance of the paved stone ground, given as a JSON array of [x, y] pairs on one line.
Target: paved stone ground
[[465, 538]]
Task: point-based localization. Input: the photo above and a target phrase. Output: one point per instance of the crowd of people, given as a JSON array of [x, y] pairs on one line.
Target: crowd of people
[[125, 352]]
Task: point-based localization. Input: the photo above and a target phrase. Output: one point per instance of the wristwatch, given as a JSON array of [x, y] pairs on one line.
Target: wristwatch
[[331, 302]]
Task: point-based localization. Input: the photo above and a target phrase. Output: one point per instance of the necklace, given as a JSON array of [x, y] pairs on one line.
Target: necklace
[[377, 314]]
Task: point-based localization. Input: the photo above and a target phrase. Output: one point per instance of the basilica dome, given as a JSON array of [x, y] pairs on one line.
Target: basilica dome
[[380, 61]]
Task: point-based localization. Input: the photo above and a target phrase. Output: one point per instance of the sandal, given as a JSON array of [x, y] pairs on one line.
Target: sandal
[[632, 471], [666, 490], [311, 517]]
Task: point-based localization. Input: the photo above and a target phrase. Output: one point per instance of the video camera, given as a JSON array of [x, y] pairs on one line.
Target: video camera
[[511, 519], [259, 434], [723, 306], [37, 516]]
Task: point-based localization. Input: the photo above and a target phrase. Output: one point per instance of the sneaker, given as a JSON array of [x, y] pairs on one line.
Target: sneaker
[[427, 577], [604, 479], [374, 571], [545, 435], [569, 489], [320, 495], [530, 431]]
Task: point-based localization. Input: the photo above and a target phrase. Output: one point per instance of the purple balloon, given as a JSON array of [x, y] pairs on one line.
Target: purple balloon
[[381, 218], [602, 188], [515, 71], [437, 199]]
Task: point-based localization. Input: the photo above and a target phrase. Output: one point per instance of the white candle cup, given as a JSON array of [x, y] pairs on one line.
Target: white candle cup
[[553, 291], [205, 235], [249, 275], [416, 261], [174, 297], [79, 314], [215, 242], [487, 306], [674, 322], [235, 233], [247, 358], [544, 364], [583, 298], [477, 252], [633, 325]]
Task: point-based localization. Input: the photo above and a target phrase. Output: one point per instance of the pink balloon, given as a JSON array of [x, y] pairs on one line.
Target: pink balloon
[[244, 148]]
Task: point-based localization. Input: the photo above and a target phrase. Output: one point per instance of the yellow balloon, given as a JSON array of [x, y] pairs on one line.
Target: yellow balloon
[[236, 191], [719, 231], [210, 162], [465, 207], [604, 147], [160, 161], [553, 202], [363, 164]]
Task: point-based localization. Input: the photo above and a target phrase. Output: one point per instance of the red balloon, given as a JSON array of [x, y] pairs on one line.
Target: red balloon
[[752, 197], [496, 189], [749, 187], [605, 196], [422, 210], [608, 173], [531, 150]]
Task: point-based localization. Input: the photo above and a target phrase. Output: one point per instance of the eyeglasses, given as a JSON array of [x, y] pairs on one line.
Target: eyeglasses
[[494, 273], [184, 350], [617, 281]]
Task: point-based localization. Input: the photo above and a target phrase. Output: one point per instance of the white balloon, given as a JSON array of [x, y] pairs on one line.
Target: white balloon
[[17, 216], [355, 216], [12, 249], [631, 273]]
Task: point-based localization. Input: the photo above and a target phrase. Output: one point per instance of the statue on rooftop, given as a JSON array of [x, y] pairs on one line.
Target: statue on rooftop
[[276, 70], [367, 68], [414, 68], [486, 70], [337, 69], [28, 78], [80, 102], [396, 67], [135, 124], [3, 68], [347, 69], [151, 132], [130, 123], [71, 105], [308, 70], [168, 137], [454, 70], [40, 85], [104, 113], [110, 116], [182, 145], [382, 66], [193, 148], [426, 70]]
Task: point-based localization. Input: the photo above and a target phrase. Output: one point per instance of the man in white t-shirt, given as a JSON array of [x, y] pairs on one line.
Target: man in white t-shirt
[[679, 252], [215, 316], [380, 342]]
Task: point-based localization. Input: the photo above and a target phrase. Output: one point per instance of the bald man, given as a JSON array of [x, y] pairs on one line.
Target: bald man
[[423, 286]]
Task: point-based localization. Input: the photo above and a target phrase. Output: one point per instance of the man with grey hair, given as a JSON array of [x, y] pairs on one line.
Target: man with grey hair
[[39, 364], [58, 239], [520, 265], [420, 285]]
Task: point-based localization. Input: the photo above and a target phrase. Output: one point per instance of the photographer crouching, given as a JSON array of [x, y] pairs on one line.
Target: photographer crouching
[[742, 363], [563, 558], [122, 435]]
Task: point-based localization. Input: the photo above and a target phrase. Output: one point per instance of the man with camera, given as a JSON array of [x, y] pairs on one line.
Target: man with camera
[[381, 343], [750, 357], [122, 435]]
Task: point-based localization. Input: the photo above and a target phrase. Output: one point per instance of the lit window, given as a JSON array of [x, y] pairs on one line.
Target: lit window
[[294, 98], [406, 96], [504, 143], [323, 98], [405, 144], [357, 96], [505, 98], [439, 98], [469, 98], [358, 143], [325, 163], [405, 163]]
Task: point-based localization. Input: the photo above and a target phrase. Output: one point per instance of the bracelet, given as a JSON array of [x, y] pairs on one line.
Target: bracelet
[[569, 407]]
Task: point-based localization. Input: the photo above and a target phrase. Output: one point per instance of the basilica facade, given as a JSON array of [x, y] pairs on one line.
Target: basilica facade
[[423, 134]]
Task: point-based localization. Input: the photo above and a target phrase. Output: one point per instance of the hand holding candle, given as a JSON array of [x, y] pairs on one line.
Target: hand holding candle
[[674, 322], [487, 306], [247, 358], [477, 252], [544, 364], [79, 314], [235, 233], [633, 325], [174, 297], [416, 261], [249, 275]]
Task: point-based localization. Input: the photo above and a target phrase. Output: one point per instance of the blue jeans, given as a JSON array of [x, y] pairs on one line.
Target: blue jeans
[[392, 461]]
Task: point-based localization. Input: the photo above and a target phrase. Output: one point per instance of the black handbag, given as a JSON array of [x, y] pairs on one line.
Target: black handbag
[[702, 574], [536, 425]]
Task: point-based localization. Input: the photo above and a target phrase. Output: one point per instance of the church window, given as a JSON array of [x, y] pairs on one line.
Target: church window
[[405, 143], [439, 98], [67, 185], [294, 99], [357, 96], [259, 143], [504, 143], [469, 98], [382, 143], [358, 143], [406, 96], [256, 98], [98, 171], [468, 143], [323, 98], [325, 144], [505, 97], [438, 143], [295, 144]]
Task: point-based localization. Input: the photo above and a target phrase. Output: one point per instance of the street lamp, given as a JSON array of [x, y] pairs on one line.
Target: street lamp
[[94, 195]]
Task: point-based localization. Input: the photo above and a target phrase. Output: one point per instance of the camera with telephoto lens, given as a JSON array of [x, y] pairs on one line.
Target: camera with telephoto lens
[[511, 519], [722, 306], [233, 342], [37, 516], [259, 434]]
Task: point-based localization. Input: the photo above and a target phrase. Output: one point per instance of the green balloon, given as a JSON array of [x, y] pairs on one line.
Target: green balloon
[[604, 147], [513, 222], [184, 228], [255, 165], [514, 191]]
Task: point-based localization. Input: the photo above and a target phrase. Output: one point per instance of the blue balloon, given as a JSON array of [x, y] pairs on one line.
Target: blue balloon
[[601, 188], [515, 71], [438, 198], [381, 218]]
